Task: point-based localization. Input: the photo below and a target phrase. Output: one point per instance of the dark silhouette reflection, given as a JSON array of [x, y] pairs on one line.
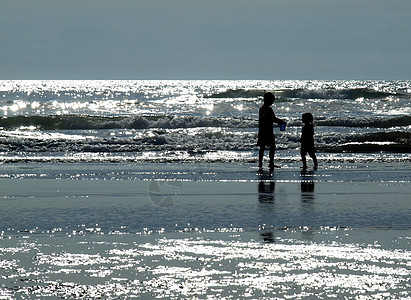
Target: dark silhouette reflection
[[307, 186], [307, 173], [266, 199], [266, 192], [268, 237], [307, 191], [307, 198]]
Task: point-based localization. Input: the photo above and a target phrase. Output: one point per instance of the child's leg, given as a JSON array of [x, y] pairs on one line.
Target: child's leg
[[261, 156], [312, 155], [272, 151], [303, 158]]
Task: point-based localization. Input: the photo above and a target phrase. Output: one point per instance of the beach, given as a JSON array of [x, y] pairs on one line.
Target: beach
[[156, 150], [122, 230], [150, 189]]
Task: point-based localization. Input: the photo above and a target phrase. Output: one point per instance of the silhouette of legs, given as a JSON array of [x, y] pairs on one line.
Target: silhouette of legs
[[314, 158], [261, 156], [271, 156], [312, 155]]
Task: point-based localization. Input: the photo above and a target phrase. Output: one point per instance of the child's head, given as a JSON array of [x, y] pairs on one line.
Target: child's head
[[269, 98], [307, 118]]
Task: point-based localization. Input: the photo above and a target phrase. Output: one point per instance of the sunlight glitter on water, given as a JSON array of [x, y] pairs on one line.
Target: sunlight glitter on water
[[219, 265]]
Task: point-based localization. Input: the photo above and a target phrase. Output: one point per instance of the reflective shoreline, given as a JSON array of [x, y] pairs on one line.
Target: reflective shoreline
[[310, 263]]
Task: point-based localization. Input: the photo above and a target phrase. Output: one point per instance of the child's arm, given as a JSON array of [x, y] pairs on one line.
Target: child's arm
[[278, 121]]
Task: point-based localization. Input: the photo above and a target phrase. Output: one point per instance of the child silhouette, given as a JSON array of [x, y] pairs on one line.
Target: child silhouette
[[266, 119], [307, 140]]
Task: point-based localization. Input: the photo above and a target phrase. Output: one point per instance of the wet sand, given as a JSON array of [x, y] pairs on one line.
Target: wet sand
[[268, 237], [39, 205]]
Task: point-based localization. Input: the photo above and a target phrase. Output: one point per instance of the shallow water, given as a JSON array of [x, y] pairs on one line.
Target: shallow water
[[338, 167], [223, 264]]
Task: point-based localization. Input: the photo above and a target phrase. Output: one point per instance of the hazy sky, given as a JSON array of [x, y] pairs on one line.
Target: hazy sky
[[205, 39]]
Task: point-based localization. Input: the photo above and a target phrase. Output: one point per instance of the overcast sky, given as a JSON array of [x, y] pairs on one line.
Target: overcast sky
[[205, 39]]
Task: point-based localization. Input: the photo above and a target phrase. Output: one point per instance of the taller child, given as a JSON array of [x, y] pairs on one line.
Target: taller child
[[265, 129]]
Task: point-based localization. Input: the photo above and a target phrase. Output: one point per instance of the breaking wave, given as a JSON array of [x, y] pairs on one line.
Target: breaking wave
[[197, 140], [86, 122], [77, 122], [392, 141]]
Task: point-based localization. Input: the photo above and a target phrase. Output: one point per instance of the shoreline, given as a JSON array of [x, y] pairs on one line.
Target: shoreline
[[369, 170]]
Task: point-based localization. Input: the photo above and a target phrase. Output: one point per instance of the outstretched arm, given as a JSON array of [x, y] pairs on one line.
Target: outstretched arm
[[278, 121]]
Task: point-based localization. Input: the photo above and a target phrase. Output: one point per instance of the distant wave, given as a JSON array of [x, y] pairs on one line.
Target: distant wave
[[69, 94], [375, 122], [237, 93], [350, 94], [95, 95]]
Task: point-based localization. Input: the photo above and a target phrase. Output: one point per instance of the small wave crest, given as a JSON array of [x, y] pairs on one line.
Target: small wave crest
[[393, 141], [203, 140]]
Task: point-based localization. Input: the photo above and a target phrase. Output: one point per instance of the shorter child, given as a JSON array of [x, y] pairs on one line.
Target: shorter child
[[307, 140]]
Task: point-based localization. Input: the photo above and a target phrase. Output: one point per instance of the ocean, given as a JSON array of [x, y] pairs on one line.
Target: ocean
[[150, 189], [197, 121]]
